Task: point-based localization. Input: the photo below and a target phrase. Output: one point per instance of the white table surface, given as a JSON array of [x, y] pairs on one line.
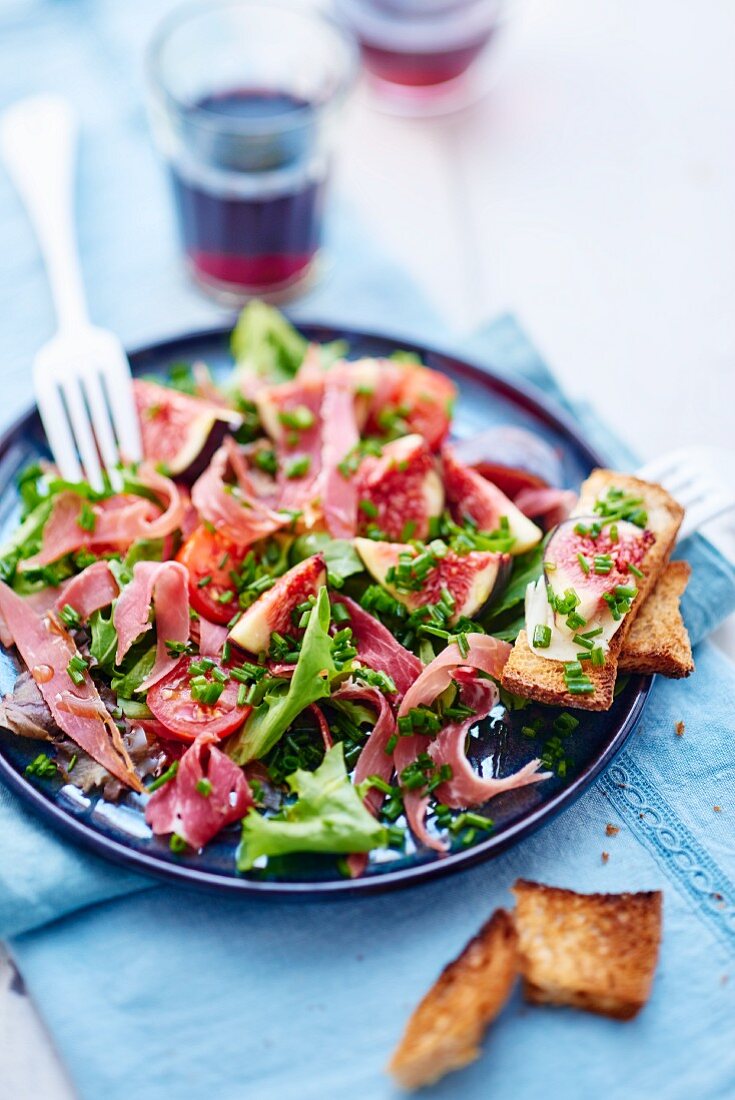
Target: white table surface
[[591, 192]]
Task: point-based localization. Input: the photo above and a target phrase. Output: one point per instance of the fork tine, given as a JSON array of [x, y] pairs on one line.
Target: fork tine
[[705, 511], [56, 424], [102, 425], [116, 372], [71, 388], [658, 468]]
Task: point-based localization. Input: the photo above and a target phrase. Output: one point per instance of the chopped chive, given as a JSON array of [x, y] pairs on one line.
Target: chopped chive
[[542, 636], [299, 467], [635, 570], [300, 418], [368, 508], [204, 581], [583, 562], [164, 777], [76, 668]]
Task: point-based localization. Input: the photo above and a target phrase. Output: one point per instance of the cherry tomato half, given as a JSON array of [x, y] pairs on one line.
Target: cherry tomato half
[[171, 702], [207, 554]]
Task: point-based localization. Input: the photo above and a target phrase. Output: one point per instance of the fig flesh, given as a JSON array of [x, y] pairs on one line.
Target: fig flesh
[[472, 497], [399, 491], [178, 431], [272, 611], [470, 579]]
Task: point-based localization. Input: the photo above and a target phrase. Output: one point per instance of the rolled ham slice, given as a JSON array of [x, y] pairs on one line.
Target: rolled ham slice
[[179, 807], [77, 709], [233, 510], [118, 521], [378, 649], [165, 586], [485, 654], [339, 436], [92, 589]]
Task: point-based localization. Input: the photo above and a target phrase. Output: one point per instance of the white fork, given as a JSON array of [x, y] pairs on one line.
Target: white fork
[[81, 376], [689, 475]]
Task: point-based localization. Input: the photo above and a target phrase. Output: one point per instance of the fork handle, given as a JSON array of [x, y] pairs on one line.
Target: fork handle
[[38, 142]]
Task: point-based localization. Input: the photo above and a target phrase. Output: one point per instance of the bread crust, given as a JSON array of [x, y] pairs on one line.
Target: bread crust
[[597, 952], [537, 678], [445, 1030], [658, 640]]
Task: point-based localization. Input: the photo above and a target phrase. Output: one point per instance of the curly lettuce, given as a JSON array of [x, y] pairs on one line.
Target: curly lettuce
[[327, 816]]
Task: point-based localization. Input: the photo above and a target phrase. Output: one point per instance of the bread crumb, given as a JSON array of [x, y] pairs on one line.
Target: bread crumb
[[679, 727], [605, 857], [717, 809], [611, 830]]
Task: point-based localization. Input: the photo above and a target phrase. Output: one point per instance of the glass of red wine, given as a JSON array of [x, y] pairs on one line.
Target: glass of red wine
[[423, 56], [244, 99]]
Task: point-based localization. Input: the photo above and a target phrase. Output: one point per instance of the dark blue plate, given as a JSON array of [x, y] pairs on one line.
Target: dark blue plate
[[119, 831]]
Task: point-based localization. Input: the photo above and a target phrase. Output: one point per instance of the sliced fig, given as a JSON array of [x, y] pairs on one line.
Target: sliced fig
[[472, 496], [591, 563], [400, 490], [272, 611], [512, 458], [179, 431], [471, 579]]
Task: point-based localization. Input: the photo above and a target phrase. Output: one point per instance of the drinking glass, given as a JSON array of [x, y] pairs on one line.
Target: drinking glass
[[244, 98], [423, 56]]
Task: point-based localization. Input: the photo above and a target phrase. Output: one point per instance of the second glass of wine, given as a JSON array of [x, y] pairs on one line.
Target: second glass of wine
[[245, 98]]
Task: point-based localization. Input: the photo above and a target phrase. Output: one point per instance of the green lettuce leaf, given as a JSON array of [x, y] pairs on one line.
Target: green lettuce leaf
[[340, 555], [25, 541], [265, 344], [310, 682], [328, 816], [138, 661]]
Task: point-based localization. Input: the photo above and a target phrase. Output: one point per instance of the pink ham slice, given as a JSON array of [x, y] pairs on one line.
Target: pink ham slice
[[178, 807], [212, 637], [466, 787], [77, 709], [378, 649], [165, 585], [485, 654], [118, 521], [92, 589], [238, 514], [374, 759], [547, 504], [339, 436]]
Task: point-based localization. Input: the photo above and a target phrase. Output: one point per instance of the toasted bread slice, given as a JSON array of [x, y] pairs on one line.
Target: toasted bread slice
[[658, 640], [537, 678], [592, 951], [445, 1030]]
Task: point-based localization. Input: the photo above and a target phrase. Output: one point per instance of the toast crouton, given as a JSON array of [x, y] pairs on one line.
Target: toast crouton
[[445, 1030], [658, 640], [535, 677], [592, 951]]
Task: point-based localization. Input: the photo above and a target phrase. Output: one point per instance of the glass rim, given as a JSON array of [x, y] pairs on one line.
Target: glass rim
[[214, 120]]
